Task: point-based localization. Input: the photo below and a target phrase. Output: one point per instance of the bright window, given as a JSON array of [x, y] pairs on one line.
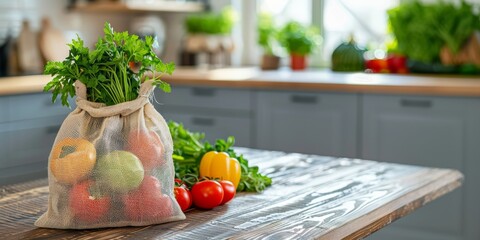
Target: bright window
[[366, 20], [286, 10]]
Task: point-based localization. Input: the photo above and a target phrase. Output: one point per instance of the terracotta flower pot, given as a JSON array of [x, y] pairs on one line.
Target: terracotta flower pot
[[270, 62], [298, 62]]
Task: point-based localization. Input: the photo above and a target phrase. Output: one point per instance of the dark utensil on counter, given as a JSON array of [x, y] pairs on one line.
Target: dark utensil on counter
[[4, 54], [421, 67], [188, 58]]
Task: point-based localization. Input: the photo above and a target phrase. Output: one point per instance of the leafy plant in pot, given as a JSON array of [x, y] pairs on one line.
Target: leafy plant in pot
[[210, 32], [268, 40], [300, 41]]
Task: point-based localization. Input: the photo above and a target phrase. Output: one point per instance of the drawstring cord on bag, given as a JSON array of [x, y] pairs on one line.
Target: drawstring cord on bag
[[123, 109]]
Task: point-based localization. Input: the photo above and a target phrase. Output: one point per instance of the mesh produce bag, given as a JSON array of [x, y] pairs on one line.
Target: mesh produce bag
[[111, 166]]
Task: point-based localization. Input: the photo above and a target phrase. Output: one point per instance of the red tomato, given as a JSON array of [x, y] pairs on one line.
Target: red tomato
[[86, 202], [377, 65], [397, 63], [228, 191], [183, 197], [147, 202], [207, 194], [148, 147]]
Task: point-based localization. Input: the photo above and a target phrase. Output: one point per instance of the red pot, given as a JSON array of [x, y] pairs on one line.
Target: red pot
[[298, 62]]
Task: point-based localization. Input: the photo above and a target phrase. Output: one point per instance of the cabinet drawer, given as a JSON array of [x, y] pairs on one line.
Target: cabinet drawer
[[215, 126], [3, 109], [25, 147], [206, 97], [29, 141], [316, 123], [416, 104], [30, 106], [23, 173], [4, 142]]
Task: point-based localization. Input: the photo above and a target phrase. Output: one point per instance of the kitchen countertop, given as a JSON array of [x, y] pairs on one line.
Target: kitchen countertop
[[315, 80], [311, 197]]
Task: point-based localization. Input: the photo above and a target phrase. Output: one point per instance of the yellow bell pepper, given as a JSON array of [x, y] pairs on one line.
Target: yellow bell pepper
[[220, 165]]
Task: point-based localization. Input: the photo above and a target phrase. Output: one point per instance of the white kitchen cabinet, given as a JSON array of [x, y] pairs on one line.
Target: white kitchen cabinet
[[307, 122], [217, 112], [439, 132]]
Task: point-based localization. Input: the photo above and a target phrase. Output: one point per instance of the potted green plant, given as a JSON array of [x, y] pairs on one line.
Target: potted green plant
[[299, 41], [210, 32], [268, 41]]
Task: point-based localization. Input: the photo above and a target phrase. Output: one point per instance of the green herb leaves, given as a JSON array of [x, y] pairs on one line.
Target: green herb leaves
[[267, 33], [300, 39], [188, 150], [106, 70], [211, 23], [422, 29]]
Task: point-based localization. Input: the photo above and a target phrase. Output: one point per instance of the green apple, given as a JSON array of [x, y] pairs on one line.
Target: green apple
[[120, 171]]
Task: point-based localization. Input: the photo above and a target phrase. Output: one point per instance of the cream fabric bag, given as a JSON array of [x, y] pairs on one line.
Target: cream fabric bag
[[111, 166]]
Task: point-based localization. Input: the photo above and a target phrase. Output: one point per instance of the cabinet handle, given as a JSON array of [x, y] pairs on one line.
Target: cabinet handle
[[52, 129], [303, 99], [203, 121], [416, 103], [203, 92]]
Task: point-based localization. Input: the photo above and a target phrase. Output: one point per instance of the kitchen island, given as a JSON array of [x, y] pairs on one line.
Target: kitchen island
[[311, 197], [426, 120]]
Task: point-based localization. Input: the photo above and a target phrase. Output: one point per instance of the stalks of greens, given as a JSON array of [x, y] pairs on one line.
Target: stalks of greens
[[422, 29], [105, 71], [267, 33], [299, 39], [189, 148]]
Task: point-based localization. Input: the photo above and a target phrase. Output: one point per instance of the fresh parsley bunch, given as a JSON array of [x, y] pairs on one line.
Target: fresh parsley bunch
[[105, 71]]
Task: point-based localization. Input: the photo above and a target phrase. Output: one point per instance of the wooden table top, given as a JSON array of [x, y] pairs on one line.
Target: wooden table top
[[311, 197], [285, 79]]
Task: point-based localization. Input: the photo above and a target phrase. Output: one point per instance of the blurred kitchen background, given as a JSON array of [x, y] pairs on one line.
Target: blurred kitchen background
[[48, 25], [395, 81]]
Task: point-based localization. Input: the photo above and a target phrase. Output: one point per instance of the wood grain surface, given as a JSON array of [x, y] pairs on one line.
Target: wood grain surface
[[310, 80], [312, 197]]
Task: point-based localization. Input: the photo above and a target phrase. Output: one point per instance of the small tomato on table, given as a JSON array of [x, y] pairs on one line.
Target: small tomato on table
[[72, 159], [183, 197], [207, 194], [229, 191]]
